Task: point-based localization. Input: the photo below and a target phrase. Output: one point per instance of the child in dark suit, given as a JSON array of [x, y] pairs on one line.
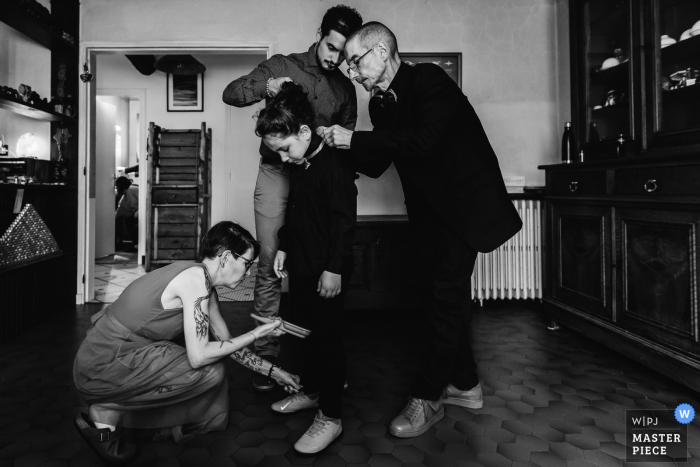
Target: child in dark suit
[[316, 251]]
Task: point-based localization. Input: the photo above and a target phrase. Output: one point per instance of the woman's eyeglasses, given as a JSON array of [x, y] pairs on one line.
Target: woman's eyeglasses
[[248, 262]]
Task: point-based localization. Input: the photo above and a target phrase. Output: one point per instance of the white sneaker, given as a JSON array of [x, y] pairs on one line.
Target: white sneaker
[[298, 401], [319, 435]]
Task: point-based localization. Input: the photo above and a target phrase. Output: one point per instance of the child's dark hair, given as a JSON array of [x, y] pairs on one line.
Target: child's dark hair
[[340, 18], [227, 235], [286, 112]]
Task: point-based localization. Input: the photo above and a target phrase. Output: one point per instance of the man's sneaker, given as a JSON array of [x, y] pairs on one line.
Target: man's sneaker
[[295, 402], [417, 417], [320, 434], [472, 399]]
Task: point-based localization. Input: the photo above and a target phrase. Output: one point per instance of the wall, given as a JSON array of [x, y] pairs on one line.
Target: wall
[[121, 120], [563, 63], [508, 47], [233, 175], [134, 132], [23, 61]]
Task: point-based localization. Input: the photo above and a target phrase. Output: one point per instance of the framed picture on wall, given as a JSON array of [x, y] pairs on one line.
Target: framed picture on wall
[[451, 62], [185, 93]]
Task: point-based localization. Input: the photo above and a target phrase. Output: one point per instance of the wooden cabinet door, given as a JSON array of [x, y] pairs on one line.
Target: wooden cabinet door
[[658, 257], [581, 259]]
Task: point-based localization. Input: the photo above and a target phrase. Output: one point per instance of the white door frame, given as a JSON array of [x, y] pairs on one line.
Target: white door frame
[[88, 53]]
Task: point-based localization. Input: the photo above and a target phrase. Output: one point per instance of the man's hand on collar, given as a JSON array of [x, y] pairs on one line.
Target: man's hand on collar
[[335, 136]]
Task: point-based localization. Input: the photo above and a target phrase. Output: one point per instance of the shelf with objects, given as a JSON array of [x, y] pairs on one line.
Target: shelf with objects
[[38, 164], [621, 228], [674, 51]]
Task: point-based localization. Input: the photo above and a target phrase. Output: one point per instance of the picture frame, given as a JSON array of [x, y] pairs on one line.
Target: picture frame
[[185, 93], [451, 62]]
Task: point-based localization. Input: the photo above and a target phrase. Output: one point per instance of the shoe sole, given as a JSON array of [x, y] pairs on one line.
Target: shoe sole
[[463, 403], [438, 416], [340, 432], [263, 388], [315, 406]]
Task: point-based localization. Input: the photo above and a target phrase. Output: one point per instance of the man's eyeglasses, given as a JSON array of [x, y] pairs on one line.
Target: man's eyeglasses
[[248, 262], [354, 64]]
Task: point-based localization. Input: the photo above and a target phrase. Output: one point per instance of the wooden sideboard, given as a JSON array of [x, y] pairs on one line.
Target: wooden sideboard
[[621, 257]]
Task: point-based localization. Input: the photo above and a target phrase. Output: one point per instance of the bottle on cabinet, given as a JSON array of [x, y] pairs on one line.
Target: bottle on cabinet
[[568, 145]]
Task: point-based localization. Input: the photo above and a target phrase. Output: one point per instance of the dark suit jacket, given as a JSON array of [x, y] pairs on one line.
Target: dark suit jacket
[[442, 155]]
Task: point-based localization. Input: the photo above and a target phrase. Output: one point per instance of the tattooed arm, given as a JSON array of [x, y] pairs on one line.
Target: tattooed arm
[[244, 356], [198, 296]]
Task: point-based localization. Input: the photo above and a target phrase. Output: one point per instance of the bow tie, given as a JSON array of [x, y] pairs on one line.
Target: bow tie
[[385, 98]]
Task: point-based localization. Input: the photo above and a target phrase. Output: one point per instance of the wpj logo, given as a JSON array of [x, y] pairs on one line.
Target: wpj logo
[[658, 435]]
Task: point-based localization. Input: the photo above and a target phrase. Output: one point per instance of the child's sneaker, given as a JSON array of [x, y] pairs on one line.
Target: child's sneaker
[[298, 401], [319, 435]]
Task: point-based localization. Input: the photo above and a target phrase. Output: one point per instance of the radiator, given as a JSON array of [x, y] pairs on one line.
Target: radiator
[[515, 269]]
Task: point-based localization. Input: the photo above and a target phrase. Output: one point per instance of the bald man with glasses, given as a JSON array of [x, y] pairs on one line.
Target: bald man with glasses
[[454, 194]]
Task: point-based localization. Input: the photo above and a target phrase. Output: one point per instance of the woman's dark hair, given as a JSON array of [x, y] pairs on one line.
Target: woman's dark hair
[[227, 235], [286, 112], [340, 18]]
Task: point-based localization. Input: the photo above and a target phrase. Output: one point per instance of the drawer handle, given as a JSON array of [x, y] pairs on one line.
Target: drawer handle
[[573, 186], [651, 186]]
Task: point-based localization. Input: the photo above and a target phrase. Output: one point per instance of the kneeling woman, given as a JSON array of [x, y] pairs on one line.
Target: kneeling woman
[[132, 373]]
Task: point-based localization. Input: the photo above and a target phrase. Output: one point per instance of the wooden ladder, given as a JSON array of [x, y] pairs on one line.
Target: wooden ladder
[[179, 188]]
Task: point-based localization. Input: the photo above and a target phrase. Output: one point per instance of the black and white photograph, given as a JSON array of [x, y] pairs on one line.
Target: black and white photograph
[[185, 93], [399, 233]]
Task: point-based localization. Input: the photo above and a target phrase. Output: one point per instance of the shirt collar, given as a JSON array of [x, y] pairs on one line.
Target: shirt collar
[[311, 57], [315, 147], [398, 84]]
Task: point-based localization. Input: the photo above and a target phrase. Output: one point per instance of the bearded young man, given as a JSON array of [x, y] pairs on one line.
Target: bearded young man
[[334, 100]]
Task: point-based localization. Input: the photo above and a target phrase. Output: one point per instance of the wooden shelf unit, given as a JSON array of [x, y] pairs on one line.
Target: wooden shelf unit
[[35, 290]]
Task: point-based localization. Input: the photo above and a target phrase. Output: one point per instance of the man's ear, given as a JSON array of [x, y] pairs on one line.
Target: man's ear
[[383, 50], [305, 133], [318, 35]]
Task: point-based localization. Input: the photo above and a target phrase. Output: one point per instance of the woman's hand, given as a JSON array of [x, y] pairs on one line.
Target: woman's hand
[[288, 380], [279, 264], [329, 285], [269, 329]]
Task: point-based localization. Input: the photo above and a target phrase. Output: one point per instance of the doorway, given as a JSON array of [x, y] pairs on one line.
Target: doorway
[[89, 191], [118, 228]]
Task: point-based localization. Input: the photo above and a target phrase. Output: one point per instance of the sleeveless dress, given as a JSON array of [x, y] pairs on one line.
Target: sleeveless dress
[[130, 370]]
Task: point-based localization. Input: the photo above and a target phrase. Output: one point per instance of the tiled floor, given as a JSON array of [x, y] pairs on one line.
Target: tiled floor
[[112, 278], [551, 399]]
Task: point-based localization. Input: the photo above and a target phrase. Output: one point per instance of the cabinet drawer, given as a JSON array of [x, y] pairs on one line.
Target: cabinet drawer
[[681, 180], [591, 182], [175, 196]]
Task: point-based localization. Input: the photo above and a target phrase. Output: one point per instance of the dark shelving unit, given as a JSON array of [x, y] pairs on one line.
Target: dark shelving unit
[[16, 18], [28, 110], [38, 288]]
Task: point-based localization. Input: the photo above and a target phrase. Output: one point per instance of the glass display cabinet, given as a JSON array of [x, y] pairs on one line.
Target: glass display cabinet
[[672, 39], [622, 228], [635, 68]]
